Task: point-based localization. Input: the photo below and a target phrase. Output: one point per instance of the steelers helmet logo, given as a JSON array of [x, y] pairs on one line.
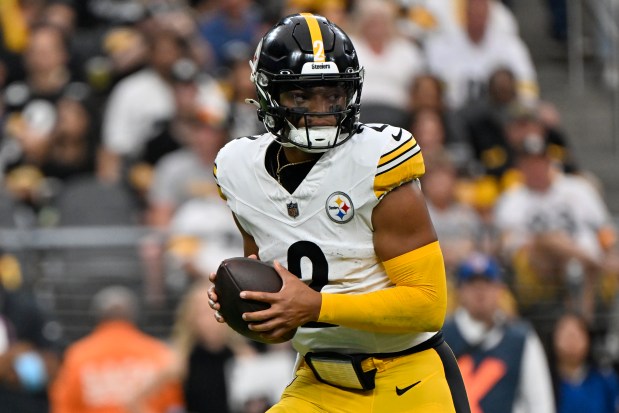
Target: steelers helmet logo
[[339, 207]]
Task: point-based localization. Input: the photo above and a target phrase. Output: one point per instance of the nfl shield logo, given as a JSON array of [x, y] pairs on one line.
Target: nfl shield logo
[[293, 209]]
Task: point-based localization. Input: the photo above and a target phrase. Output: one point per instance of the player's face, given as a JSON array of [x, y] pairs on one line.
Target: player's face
[[320, 99]]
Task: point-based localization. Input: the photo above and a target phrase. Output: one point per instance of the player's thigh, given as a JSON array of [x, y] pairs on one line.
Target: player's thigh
[[307, 394], [427, 382]]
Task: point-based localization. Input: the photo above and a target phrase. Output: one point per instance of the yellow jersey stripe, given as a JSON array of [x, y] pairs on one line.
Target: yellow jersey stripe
[[316, 35], [402, 157], [389, 156], [408, 168]]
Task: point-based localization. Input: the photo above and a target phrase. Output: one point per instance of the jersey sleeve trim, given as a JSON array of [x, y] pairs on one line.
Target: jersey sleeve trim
[[401, 164], [219, 191]]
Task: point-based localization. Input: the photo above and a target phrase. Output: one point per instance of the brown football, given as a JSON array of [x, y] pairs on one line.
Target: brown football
[[245, 274]]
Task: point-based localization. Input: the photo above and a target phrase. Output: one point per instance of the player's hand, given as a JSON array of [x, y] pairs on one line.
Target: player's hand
[[212, 298], [294, 305]]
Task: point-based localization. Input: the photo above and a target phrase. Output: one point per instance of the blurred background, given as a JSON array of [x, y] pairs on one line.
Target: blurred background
[[112, 113]]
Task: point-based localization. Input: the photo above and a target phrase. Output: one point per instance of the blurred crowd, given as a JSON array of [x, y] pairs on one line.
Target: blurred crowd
[[112, 112]]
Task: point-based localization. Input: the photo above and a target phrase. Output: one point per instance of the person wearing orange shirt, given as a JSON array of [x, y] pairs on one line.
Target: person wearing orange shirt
[[104, 370]]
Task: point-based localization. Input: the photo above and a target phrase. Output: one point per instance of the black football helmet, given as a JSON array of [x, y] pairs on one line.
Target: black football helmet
[[302, 51]]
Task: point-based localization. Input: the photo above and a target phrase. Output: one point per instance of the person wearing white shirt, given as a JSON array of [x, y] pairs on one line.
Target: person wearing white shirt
[[141, 104], [391, 63], [556, 232], [466, 58]]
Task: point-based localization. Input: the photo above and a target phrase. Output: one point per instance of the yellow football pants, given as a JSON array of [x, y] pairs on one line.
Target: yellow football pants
[[424, 382]]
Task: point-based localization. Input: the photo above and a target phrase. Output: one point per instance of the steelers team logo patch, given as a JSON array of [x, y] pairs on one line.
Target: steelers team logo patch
[[339, 207]]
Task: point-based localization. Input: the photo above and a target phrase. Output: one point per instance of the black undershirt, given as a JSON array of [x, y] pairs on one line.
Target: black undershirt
[[291, 176]]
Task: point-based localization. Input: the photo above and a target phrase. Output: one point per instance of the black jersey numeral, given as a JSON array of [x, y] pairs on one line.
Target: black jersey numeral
[[311, 251], [320, 269]]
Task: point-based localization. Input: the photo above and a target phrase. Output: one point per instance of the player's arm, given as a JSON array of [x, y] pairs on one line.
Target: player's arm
[[249, 243], [406, 243]]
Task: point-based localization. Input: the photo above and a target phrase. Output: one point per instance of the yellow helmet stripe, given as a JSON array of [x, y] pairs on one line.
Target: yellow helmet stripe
[[316, 35]]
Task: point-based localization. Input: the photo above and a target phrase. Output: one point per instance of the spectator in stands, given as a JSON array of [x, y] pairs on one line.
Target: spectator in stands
[[557, 234], [138, 106], [31, 104], [124, 51], [203, 348], [485, 122], [450, 17], [177, 17], [487, 115], [185, 175], [428, 127], [97, 14], [427, 92], [141, 104], [33, 129], [497, 125], [104, 370], [502, 359], [16, 19], [63, 15], [230, 27], [186, 172], [391, 62], [525, 120], [74, 139], [28, 356], [464, 59], [581, 383], [429, 132]]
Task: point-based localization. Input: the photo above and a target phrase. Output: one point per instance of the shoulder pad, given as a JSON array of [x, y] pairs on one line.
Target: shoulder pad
[[238, 150], [400, 161]]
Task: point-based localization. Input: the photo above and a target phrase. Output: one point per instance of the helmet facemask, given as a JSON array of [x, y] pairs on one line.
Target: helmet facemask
[[282, 121]]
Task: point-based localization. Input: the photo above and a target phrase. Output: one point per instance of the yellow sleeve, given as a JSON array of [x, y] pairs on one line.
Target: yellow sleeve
[[417, 302]]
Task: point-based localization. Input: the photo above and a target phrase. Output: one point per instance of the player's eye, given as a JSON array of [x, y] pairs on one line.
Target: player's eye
[[336, 97], [299, 97]]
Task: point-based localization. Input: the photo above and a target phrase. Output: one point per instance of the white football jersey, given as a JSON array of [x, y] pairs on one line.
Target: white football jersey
[[323, 231]]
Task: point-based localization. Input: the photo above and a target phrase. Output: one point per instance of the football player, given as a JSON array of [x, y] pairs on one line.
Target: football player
[[337, 207]]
